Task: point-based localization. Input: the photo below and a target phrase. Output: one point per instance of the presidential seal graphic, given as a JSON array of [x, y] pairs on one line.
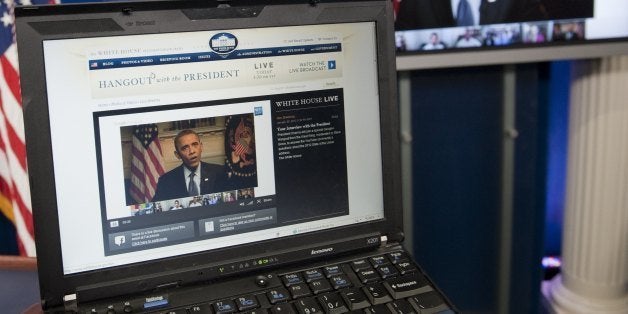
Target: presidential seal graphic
[[240, 145], [223, 43]]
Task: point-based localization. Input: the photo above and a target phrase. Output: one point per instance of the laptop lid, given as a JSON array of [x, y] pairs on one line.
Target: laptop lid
[[284, 111]]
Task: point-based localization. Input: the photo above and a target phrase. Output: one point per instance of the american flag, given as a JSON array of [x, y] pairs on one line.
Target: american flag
[[396, 4], [146, 164], [15, 201], [240, 147]]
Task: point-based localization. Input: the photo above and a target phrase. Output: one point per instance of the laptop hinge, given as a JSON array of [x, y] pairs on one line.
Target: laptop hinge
[[394, 238], [69, 302]]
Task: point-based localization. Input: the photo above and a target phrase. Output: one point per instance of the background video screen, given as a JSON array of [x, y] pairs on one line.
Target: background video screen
[[432, 26]]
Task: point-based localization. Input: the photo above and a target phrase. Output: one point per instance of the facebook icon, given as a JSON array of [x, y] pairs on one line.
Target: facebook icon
[[331, 64]]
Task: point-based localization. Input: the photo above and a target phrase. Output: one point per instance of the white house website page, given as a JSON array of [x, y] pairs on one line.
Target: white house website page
[[195, 141]]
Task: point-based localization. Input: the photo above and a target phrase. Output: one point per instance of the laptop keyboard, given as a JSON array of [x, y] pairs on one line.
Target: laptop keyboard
[[387, 283]]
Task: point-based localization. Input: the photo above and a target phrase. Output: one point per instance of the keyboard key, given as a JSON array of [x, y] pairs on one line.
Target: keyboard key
[[175, 311], [377, 294], [247, 303], [155, 304], [307, 306], [320, 285], [368, 275], [402, 307], [332, 303], [340, 281], [406, 286], [224, 307], [200, 309], [256, 311], [299, 290], [283, 308], [387, 271], [398, 257], [292, 279], [378, 309], [359, 265], [428, 300], [406, 267], [313, 274], [278, 295], [377, 261], [355, 299], [332, 270]]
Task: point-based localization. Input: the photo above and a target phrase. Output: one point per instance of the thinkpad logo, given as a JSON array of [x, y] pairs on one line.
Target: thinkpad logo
[[145, 23]]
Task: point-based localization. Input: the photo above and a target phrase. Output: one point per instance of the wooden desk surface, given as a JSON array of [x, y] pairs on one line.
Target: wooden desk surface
[[18, 263]]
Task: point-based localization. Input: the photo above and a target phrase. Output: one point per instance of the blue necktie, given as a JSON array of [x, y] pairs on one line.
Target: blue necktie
[[464, 15]]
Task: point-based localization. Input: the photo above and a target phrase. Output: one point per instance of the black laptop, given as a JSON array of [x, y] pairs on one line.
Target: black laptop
[[217, 157]]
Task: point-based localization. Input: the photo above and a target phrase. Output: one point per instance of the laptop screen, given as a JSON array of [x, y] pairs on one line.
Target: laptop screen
[[173, 143]]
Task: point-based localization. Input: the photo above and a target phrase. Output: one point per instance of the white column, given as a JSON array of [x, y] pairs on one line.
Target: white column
[[594, 274]]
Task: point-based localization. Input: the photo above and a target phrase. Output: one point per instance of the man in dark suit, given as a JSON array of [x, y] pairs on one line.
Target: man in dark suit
[[420, 14], [193, 177]]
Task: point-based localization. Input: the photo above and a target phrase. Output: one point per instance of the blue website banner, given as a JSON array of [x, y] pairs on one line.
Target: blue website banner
[[101, 64]]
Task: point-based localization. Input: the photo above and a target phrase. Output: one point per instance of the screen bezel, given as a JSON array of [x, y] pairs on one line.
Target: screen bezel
[[54, 285]]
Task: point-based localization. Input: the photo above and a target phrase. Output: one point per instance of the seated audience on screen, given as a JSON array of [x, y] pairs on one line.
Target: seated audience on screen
[[434, 44]]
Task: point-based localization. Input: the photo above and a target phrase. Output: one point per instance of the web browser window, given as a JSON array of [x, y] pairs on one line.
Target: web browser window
[[259, 120]]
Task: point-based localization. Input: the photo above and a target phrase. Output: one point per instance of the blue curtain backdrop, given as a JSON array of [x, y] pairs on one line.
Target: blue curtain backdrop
[[456, 178], [558, 125]]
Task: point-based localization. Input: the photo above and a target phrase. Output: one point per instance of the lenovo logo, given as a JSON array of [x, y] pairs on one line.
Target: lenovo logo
[[321, 251]]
